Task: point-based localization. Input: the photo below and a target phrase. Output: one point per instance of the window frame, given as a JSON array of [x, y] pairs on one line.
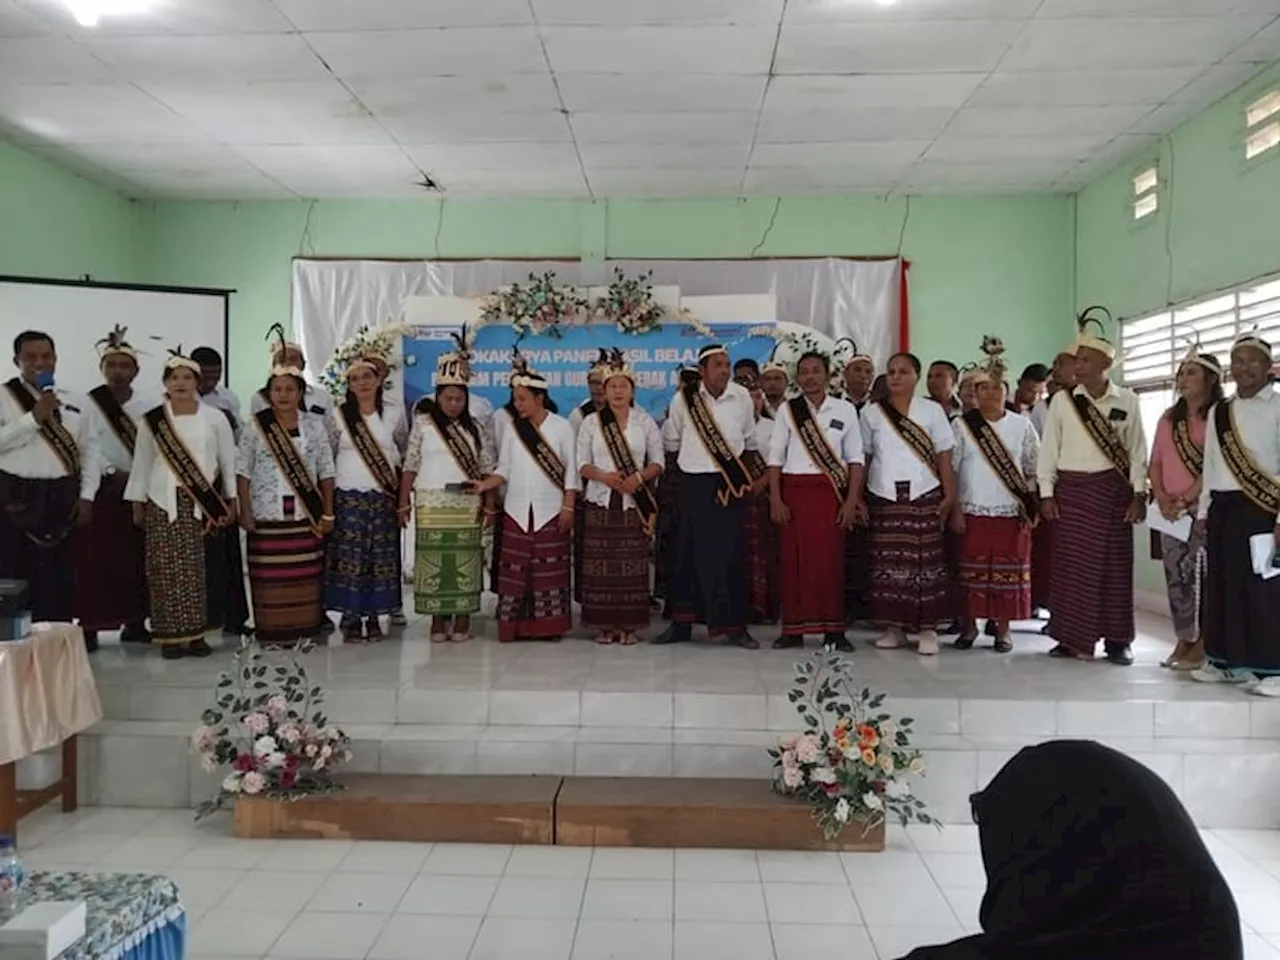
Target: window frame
[[1262, 125], [1146, 195]]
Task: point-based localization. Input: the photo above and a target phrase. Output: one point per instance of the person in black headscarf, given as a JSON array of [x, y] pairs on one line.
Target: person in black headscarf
[[1090, 856]]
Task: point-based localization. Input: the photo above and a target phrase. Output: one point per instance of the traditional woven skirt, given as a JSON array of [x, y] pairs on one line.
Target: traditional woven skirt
[[1240, 609], [175, 552], [286, 578], [709, 581], [615, 568], [579, 544], [533, 582], [811, 564], [664, 553], [857, 574], [227, 605], [1179, 560], [1041, 564], [910, 588], [764, 595], [995, 568], [448, 566], [362, 559], [110, 564], [1092, 589]]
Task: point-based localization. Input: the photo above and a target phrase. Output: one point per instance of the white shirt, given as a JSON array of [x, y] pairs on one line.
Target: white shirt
[[24, 452], [839, 422], [479, 407], [891, 460], [499, 425], [1068, 446], [268, 486], [429, 458], [982, 492], [350, 470], [207, 435], [313, 398], [115, 454], [763, 432], [1257, 422], [528, 488], [222, 399], [643, 438], [576, 416], [734, 413], [1037, 415]]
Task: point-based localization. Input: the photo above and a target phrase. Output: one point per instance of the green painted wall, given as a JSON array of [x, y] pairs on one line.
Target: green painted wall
[[980, 264], [54, 223], [1218, 225]]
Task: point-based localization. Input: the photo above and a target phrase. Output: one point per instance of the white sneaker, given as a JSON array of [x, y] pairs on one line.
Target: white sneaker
[[1211, 674], [928, 644], [890, 641], [1266, 687]]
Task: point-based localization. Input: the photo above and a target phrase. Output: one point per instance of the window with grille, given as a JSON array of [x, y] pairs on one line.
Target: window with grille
[[1152, 346], [1146, 192], [1262, 124]]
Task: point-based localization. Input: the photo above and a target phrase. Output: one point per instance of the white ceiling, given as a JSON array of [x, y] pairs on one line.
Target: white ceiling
[[246, 99]]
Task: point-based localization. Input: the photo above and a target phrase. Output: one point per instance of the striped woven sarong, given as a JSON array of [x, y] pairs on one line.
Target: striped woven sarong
[[533, 582], [995, 568], [910, 588], [615, 569], [448, 566], [362, 569], [286, 576]]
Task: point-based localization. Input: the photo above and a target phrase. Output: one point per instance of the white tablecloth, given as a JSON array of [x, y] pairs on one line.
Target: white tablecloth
[[47, 690]]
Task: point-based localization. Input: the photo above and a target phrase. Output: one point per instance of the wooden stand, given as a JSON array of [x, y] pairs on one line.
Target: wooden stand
[[573, 811], [16, 804]]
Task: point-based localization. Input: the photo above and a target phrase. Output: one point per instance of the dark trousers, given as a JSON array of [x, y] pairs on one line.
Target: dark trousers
[[228, 607], [44, 556], [709, 582]]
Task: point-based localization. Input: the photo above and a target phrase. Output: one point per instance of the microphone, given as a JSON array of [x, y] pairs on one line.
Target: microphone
[[44, 380]]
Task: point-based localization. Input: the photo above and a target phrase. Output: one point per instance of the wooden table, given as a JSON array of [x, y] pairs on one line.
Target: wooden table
[[47, 697]]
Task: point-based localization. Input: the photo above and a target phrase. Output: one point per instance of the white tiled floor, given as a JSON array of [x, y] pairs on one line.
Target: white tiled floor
[[336, 900]]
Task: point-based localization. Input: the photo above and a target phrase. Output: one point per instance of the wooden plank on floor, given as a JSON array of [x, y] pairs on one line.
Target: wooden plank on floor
[[431, 809], [676, 812]]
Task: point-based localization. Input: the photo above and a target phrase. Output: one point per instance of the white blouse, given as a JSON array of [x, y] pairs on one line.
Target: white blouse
[[982, 492], [839, 422], [892, 461], [429, 458], [207, 435], [268, 486], [528, 488], [351, 472], [646, 447]]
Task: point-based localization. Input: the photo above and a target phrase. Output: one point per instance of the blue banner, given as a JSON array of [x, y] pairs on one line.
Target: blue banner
[[655, 357]]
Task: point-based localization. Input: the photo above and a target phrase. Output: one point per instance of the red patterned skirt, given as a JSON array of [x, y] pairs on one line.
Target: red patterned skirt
[[995, 568], [533, 582], [615, 569], [811, 564], [763, 602], [910, 586], [111, 583], [286, 579]]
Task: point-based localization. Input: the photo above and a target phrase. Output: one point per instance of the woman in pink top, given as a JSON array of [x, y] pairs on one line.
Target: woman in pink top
[[1177, 460]]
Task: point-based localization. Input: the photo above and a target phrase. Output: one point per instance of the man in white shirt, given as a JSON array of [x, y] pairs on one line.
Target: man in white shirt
[[1239, 504], [815, 485], [774, 382], [1093, 487], [110, 573], [709, 582], [595, 395], [50, 470], [859, 373], [223, 554]]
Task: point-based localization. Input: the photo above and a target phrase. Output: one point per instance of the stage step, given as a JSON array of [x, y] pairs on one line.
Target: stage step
[[573, 811]]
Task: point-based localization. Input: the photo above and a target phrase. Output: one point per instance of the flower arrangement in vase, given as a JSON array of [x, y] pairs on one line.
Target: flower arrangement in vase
[[541, 307], [267, 726], [852, 762], [629, 304]]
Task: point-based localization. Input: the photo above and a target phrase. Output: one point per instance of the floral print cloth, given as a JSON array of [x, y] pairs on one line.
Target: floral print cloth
[[123, 909]]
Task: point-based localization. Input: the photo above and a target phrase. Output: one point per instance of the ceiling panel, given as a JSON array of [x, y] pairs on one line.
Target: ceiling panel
[[1156, 8], [170, 17], [936, 173], [301, 112], [1046, 121], [617, 127], [516, 183], [852, 124], [1080, 88], [1165, 117], [1214, 83], [691, 49], [202, 167], [929, 47], [360, 15], [17, 22], [885, 90], [102, 113], [456, 158], [211, 59], [809, 11], [432, 124], [950, 148], [835, 154], [656, 12], [871, 177], [409, 95], [1153, 42], [47, 60], [681, 156], [458, 51], [1262, 47], [648, 182], [311, 170], [646, 91]]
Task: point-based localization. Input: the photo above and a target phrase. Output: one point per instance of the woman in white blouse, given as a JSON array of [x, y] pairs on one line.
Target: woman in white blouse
[[538, 464], [195, 440], [910, 494], [362, 566], [286, 515], [993, 523], [621, 508], [448, 449]]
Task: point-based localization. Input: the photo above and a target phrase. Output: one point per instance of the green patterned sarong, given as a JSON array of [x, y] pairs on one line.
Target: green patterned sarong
[[449, 554]]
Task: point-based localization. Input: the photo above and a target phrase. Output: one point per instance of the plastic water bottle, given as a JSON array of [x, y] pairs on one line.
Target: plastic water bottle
[[12, 877]]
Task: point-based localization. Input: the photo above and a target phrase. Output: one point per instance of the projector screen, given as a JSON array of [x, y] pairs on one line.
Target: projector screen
[[77, 314]]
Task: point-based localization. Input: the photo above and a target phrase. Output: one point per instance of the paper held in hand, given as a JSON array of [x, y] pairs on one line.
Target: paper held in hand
[[1179, 529], [1262, 550]]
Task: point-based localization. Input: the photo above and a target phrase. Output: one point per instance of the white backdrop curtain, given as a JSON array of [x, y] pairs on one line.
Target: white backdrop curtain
[[860, 299]]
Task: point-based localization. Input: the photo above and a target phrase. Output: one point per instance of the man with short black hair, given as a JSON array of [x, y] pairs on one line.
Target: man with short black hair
[[746, 369], [1031, 387], [941, 383], [50, 471]]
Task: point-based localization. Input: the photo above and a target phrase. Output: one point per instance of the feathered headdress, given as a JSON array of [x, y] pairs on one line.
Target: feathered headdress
[[1208, 361], [114, 343], [278, 350], [178, 359], [453, 369], [1092, 341], [523, 375], [991, 369], [1252, 341], [371, 347], [598, 365], [612, 364]]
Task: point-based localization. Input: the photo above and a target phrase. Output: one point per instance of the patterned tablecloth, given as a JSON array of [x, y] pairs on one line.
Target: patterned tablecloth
[[124, 909], [47, 690]]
